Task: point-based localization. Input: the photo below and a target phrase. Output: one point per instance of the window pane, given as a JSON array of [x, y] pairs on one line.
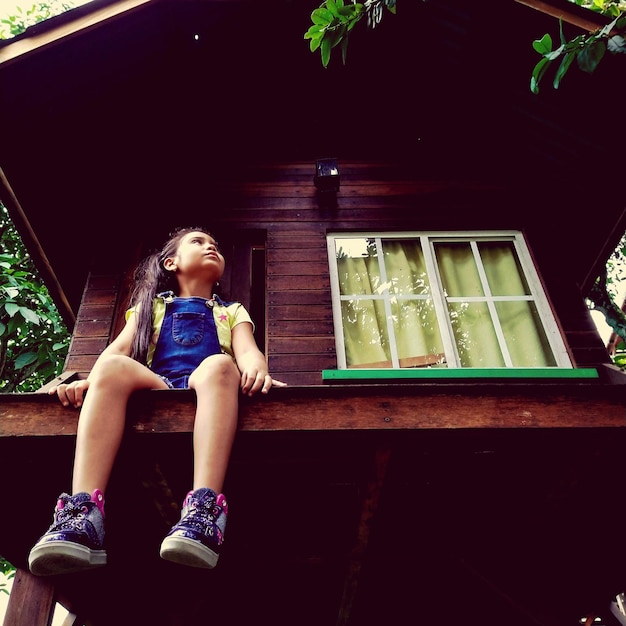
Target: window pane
[[458, 270], [503, 269], [357, 265], [525, 338], [476, 339], [405, 268], [417, 333], [365, 333]]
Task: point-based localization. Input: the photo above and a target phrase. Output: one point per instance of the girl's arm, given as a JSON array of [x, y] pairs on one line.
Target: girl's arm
[[251, 362], [123, 343], [73, 393]]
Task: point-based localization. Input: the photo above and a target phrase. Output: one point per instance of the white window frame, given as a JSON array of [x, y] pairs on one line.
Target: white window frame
[[428, 239]]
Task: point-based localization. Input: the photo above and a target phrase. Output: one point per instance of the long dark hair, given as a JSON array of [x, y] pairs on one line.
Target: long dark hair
[[151, 278]]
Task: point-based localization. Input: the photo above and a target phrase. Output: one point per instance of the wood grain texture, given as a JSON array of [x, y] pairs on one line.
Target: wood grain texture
[[343, 407]]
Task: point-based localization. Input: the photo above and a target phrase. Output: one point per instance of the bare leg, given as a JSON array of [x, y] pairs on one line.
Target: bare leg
[[102, 418], [216, 383]]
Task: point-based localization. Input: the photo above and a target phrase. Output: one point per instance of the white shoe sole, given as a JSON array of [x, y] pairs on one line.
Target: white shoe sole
[[63, 557], [188, 552]]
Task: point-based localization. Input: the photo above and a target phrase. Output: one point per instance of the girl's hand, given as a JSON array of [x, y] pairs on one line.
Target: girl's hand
[[71, 394], [253, 381]]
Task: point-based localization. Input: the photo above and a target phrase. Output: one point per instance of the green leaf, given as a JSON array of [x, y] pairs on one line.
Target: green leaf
[[543, 45], [336, 36], [30, 315], [616, 44], [321, 16], [344, 49], [11, 308], [314, 44], [332, 7], [537, 75], [25, 359], [315, 32], [589, 57], [561, 35], [354, 22], [325, 49], [565, 63], [351, 11], [555, 54]]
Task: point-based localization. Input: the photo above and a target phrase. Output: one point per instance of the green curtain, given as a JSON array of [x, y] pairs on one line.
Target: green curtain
[[472, 324], [365, 322]]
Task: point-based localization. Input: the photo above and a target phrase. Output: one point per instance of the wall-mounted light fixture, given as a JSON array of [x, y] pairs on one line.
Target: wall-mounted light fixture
[[327, 176]]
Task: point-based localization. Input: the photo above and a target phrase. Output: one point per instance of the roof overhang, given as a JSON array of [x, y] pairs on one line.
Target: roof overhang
[[97, 13], [79, 21], [116, 104]]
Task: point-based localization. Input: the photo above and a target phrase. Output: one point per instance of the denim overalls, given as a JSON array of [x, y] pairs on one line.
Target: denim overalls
[[188, 335]]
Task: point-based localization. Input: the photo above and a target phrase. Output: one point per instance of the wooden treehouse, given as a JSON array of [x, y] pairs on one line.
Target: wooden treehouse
[[456, 458]]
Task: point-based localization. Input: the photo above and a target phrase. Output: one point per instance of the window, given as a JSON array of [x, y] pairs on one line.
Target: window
[[440, 301]]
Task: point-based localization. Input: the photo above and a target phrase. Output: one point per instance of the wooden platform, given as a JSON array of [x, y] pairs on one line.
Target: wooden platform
[[446, 498], [382, 407]]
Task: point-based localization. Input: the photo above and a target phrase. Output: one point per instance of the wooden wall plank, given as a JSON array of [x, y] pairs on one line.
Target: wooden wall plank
[[304, 345], [94, 322], [276, 206], [299, 327]]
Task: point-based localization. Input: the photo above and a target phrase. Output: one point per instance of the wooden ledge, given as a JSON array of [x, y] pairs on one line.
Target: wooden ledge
[[348, 408]]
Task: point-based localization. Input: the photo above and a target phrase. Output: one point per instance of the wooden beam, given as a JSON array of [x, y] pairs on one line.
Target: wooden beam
[[369, 508], [42, 36], [30, 240], [570, 13], [349, 407], [70, 24], [31, 601]]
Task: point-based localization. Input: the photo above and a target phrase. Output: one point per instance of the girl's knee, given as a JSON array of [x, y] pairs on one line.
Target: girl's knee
[[115, 368], [217, 369]]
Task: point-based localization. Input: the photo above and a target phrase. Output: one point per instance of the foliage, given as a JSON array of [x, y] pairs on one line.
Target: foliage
[[8, 571], [33, 338], [334, 20], [603, 298], [21, 19], [587, 49], [607, 7]]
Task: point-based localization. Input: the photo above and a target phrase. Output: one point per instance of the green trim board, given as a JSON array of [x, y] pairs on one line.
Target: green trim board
[[459, 373]]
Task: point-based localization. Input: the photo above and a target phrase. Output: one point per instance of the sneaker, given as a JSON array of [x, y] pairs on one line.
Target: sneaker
[[74, 541], [196, 540]]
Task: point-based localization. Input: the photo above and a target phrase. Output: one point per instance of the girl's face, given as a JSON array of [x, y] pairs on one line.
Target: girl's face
[[197, 255]]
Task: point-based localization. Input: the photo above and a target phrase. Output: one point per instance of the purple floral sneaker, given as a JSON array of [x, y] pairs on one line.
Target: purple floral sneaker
[[74, 541], [197, 538]]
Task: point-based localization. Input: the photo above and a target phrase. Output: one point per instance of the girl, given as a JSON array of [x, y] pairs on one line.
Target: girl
[[188, 338]]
